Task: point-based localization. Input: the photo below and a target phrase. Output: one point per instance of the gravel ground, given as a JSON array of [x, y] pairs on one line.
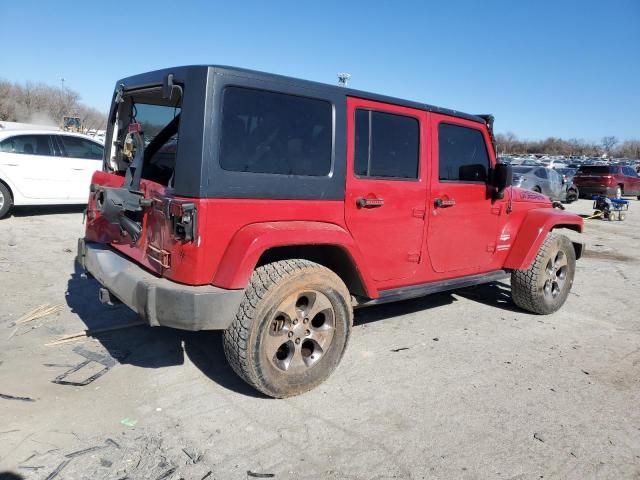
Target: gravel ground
[[460, 385]]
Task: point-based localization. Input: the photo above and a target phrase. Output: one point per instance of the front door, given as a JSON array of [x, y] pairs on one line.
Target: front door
[[386, 185], [463, 219]]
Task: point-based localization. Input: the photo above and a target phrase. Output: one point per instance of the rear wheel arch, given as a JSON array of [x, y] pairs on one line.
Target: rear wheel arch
[[333, 257], [327, 244]]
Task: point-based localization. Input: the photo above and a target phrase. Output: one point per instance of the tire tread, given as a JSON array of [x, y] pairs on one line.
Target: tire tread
[[236, 337]]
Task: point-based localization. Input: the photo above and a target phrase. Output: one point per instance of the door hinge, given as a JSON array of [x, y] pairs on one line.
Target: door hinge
[[491, 247], [419, 212], [413, 257]]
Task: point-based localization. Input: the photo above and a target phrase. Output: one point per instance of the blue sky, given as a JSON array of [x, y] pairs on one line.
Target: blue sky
[[562, 68]]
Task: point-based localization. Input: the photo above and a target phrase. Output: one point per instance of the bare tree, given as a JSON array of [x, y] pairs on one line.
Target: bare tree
[[608, 143], [40, 103]]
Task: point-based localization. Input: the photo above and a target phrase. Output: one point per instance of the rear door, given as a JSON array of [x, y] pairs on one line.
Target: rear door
[[30, 163], [386, 185], [81, 157], [463, 218]]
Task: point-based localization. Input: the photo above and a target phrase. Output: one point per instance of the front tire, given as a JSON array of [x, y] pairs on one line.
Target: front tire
[[6, 200], [291, 329], [544, 286]]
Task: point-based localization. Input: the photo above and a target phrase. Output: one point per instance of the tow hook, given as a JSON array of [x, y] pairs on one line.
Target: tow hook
[[106, 298]]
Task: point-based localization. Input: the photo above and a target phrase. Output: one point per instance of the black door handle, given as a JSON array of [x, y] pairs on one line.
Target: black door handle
[[362, 202], [439, 203]]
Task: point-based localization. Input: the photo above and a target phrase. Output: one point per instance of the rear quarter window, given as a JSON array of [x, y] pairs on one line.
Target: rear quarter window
[[268, 132]]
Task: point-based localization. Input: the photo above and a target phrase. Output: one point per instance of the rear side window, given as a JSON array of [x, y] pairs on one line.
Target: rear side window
[[462, 154], [27, 144], [76, 147], [386, 145], [267, 132]]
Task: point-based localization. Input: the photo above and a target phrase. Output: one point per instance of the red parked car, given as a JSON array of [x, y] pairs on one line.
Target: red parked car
[[284, 204], [610, 180]]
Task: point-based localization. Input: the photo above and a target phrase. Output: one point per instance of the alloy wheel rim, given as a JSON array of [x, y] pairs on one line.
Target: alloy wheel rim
[[1, 200], [555, 275], [300, 331]]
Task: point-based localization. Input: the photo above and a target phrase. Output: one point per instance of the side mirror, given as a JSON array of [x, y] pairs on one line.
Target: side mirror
[[502, 178]]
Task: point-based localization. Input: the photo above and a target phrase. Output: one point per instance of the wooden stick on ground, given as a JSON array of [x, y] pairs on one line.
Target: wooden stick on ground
[[89, 333], [38, 312]]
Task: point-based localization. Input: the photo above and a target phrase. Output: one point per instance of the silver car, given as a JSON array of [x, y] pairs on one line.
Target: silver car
[[544, 180]]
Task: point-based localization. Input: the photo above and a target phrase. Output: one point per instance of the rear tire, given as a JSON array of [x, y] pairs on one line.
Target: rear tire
[[618, 193], [291, 329], [544, 286], [6, 200]]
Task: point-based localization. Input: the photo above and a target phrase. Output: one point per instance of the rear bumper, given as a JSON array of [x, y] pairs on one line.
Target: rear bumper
[[588, 192], [159, 301]]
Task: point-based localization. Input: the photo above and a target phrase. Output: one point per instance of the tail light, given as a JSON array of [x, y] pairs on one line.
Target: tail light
[[183, 220]]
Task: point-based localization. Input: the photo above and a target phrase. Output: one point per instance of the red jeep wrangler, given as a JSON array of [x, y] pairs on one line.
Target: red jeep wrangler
[[270, 208]]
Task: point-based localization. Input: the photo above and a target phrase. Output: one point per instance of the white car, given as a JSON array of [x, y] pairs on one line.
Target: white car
[[40, 167]]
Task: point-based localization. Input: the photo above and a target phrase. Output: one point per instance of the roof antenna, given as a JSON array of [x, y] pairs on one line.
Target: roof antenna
[[343, 79]]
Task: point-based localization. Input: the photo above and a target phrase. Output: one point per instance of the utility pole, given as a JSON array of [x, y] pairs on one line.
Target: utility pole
[[62, 84]]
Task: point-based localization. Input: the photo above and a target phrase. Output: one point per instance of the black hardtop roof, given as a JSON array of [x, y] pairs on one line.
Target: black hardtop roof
[[152, 77]]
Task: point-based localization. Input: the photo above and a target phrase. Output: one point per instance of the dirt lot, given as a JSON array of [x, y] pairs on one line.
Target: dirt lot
[[460, 385]]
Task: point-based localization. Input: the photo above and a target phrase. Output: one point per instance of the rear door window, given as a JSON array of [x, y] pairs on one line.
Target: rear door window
[[268, 132], [386, 145], [541, 173], [463, 154], [77, 147], [28, 145]]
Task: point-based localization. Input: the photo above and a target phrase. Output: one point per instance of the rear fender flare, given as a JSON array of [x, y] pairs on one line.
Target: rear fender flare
[[534, 229], [249, 243]]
